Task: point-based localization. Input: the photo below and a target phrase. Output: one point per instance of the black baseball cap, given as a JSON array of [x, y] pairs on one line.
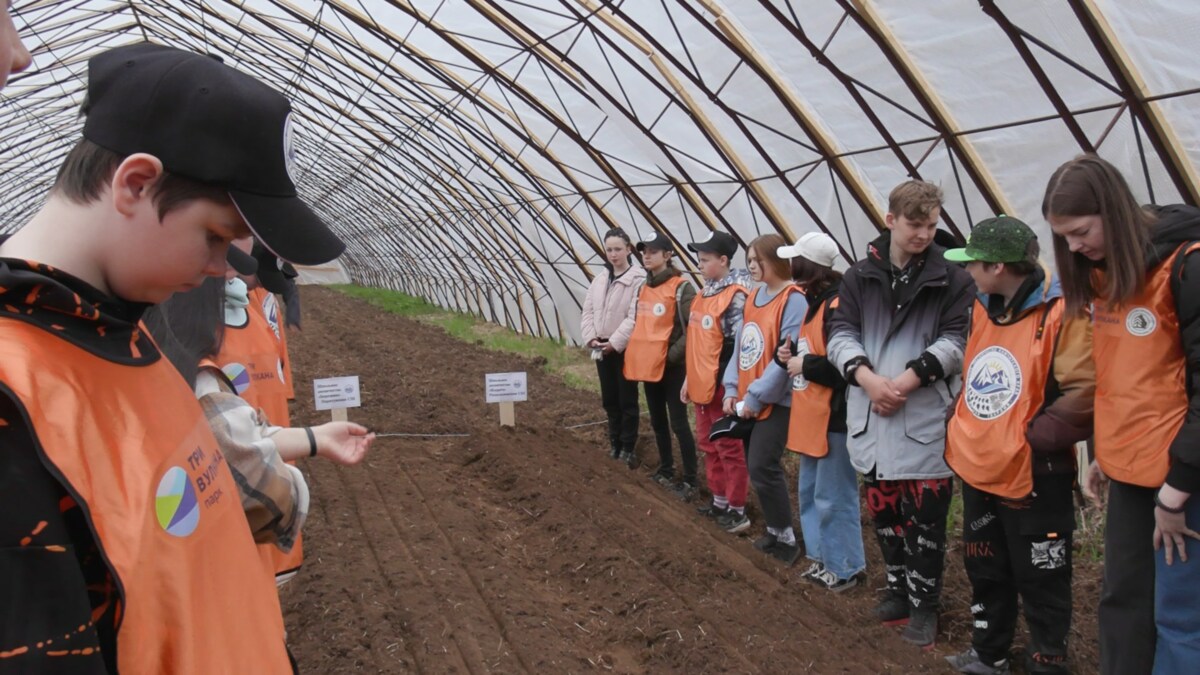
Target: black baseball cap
[[243, 263], [721, 243], [274, 274], [659, 242], [1002, 239], [208, 122]]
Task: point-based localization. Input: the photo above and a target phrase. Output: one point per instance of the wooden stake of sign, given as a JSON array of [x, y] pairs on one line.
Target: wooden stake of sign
[[339, 415], [508, 414]]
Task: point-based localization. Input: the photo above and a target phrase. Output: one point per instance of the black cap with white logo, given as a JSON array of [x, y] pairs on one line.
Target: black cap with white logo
[[721, 243], [213, 124]]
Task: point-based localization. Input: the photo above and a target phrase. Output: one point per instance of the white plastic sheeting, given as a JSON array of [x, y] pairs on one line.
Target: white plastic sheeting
[[475, 151]]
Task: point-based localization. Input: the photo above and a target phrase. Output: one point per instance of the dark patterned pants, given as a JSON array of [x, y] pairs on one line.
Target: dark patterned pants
[[910, 525], [1022, 548]]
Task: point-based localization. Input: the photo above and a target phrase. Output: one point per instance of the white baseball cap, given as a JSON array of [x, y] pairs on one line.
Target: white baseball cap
[[816, 246]]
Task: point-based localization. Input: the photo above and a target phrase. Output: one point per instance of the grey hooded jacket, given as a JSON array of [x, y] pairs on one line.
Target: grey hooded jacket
[[930, 322]]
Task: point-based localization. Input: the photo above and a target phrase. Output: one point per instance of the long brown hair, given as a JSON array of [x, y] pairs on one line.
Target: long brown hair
[[765, 248], [1090, 186], [816, 279]]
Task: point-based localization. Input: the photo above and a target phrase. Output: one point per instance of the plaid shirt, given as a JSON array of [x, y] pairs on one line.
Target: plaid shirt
[[274, 494]]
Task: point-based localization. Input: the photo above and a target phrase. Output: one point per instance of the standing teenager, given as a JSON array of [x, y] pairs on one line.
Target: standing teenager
[[716, 316], [125, 547], [655, 357], [757, 387], [1027, 399], [607, 323], [828, 484], [1137, 269], [898, 336]]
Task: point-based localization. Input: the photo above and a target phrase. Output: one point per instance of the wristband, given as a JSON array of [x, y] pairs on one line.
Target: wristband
[[1164, 507], [312, 442]]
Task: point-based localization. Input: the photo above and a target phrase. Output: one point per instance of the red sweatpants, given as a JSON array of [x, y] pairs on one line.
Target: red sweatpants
[[724, 459]]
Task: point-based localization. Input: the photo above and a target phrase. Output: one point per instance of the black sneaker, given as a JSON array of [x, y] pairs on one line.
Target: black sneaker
[[685, 491], [734, 522], [711, 511], [615, 452], [785, 553], [830, 581], [664, 478], [921, 629], [629, 458], [892, 610], [766, 542], [812, 571], [969, 662]]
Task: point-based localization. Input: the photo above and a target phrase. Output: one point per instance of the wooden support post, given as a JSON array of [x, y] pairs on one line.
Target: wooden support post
[[339, 415], [508, 414]]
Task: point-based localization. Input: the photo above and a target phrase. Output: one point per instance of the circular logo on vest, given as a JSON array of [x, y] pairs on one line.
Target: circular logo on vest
[[752, 346], [707, 322], [659, 309], [175, 503], [799, 382], [271, 310], [1140, 322], [289, 148], [239, 376], [993, 383]]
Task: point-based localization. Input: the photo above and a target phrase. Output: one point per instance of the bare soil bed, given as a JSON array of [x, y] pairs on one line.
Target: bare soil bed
[[528, 550]]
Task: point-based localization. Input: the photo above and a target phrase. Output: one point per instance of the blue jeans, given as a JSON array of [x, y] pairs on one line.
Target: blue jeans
[[1177, 604], [829, 515]]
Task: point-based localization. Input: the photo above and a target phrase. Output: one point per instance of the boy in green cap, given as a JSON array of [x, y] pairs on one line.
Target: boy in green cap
[[1028, 385]]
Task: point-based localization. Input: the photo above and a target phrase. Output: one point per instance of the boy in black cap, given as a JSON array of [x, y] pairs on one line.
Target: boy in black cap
[[135, 555], [712, 329], [1027, 394]]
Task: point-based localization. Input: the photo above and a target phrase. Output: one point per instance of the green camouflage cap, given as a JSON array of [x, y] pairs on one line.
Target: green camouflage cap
[[1002, 239]]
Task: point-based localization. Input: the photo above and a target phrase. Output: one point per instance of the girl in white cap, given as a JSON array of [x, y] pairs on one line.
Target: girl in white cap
[[828, 485]]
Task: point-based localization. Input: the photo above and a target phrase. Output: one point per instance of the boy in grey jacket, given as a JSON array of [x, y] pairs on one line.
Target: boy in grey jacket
[[898, 335]]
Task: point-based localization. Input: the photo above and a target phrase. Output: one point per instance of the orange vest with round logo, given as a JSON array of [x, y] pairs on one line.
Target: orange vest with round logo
[[810, 401], [131, 445], [251, 353], [268, 304], [646, 353], [1141, 395], [705, 338], [249, 357], [1005, 371], [760, 334]]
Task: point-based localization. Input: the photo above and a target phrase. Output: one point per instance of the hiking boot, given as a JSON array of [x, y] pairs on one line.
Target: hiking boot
[[711, 511], [663, 478], [921, 629], [830, 581], [892, 610], [766, 542], [785, 553], [685, 491], [812, 571], [630, 459], [734, 522], [969, 662]]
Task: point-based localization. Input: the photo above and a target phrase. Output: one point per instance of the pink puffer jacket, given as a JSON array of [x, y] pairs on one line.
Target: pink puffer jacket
[[609, 309]]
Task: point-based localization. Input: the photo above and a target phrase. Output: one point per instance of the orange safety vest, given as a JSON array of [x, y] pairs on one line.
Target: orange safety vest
[[809, 423], [1141, 392], [760, 334], [705, 338], [1005, 371], [266, 301], [646, 353], [132, 447], [249, 357]]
